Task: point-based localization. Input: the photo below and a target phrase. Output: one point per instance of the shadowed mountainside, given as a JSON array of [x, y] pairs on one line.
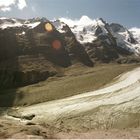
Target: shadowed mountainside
[[30, 55]]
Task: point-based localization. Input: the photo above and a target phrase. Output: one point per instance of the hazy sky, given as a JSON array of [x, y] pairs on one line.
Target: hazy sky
[[126, 12]]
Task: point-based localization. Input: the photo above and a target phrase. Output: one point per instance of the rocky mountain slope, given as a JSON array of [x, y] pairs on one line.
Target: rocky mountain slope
[[88, 30], [33, 50], [103, 41]]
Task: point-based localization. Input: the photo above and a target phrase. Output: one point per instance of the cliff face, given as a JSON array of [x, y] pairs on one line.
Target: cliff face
[[75, 50], [32, 54]]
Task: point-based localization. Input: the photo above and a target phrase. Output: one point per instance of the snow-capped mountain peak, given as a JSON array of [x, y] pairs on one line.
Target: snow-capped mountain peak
[[136, 33], [12, 22], [59, 25], [85, 20], [86, 30], [3, 18]]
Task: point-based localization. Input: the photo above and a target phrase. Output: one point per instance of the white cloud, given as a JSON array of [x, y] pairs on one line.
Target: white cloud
[[4, 9], [69, 22], [6, 5], [21, 4]]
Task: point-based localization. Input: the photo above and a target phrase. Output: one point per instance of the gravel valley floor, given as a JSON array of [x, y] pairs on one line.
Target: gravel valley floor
[[110, 112]]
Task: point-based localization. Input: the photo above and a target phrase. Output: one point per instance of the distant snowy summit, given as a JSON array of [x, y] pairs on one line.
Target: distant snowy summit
[[87, 30], [12, 22]]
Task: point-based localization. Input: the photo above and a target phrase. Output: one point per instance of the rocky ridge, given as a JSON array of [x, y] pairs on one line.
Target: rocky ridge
[[33, 50]]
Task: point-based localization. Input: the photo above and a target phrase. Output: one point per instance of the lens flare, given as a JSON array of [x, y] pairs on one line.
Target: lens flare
[[49, 27], [56, 44]]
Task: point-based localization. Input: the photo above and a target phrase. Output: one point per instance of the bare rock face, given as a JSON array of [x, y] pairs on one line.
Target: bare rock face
[[28, 56], [75, 50], [25, 70], [109, 45], [31, 54], [101, 51]]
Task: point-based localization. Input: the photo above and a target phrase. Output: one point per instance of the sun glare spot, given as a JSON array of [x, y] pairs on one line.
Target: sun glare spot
[[48, 27], [56, 44]]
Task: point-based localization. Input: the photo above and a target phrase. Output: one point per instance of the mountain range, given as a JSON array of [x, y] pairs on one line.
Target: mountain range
[[33, 50]]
